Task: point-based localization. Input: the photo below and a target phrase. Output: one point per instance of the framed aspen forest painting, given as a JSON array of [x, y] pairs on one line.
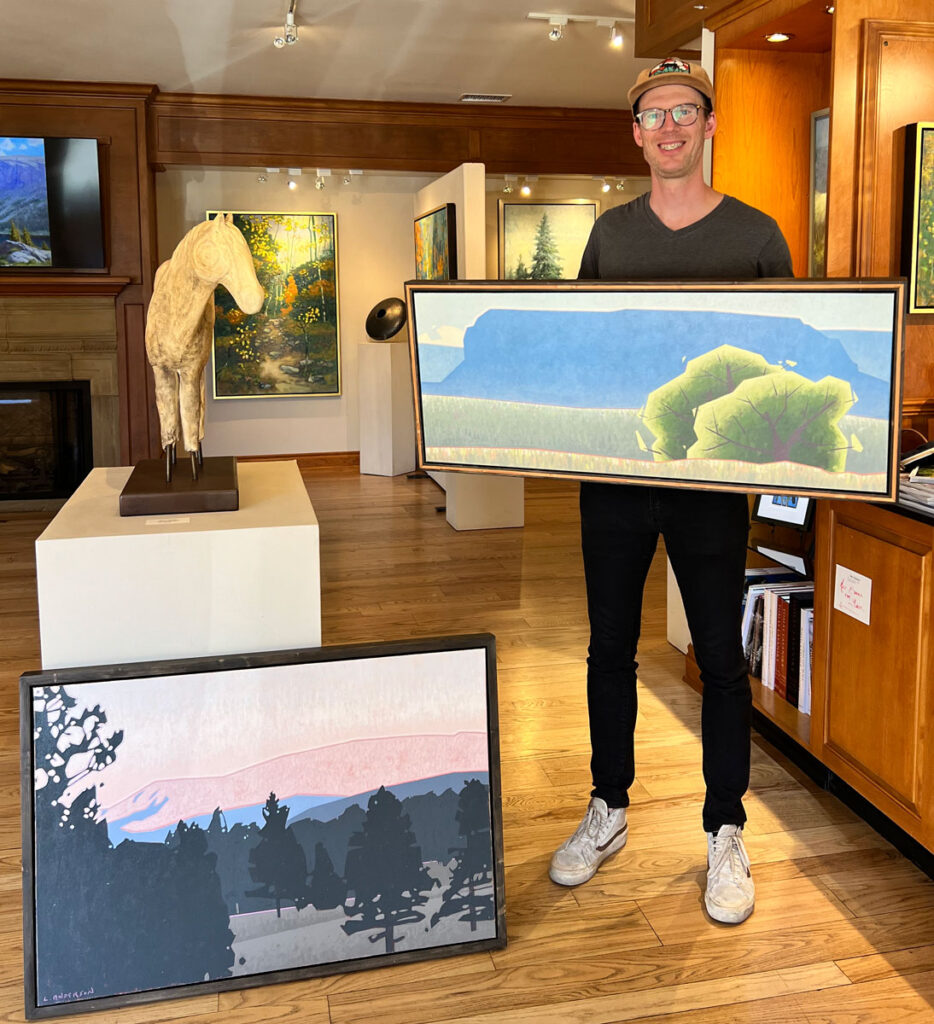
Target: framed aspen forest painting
[[218, 823], [769, 386], [291, 347]]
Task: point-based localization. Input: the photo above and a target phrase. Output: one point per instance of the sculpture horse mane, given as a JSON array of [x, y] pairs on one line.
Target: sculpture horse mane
[[180, 324]]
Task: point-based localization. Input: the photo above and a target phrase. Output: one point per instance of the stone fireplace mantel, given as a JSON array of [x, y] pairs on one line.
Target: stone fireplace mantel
[[55, 335]]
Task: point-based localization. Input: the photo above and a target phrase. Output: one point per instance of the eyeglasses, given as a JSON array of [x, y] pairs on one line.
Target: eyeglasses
[[684, 114]]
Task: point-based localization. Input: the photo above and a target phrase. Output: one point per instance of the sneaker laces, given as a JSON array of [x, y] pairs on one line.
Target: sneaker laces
[[729, 852], [589, 828]]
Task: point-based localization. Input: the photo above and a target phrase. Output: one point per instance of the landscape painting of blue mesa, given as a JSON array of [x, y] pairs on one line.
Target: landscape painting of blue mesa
[[225, 825], [24, 207], [764, 388]]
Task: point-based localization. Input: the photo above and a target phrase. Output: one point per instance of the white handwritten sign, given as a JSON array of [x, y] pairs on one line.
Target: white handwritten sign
[[852, 593]]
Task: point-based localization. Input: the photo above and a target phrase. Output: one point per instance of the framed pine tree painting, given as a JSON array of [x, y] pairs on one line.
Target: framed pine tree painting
[[217, 823], [543, 241]]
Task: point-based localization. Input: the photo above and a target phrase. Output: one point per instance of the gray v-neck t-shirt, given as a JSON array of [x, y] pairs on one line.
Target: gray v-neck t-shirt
[[734, 242]]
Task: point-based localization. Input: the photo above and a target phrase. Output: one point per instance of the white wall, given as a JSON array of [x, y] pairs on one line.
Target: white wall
[[376, 255], [465, 186]]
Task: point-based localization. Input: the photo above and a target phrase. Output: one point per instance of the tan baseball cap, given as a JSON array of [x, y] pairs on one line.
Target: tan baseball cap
[[672, 71]]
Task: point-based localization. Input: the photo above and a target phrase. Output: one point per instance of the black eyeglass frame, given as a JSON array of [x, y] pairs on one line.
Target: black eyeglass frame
[[698, 107]]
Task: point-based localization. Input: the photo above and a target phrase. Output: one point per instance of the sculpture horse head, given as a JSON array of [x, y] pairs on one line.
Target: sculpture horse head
[[220, 255]]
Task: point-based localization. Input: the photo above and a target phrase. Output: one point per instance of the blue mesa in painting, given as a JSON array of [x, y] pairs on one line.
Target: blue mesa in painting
[[690, 394], [24, 207]]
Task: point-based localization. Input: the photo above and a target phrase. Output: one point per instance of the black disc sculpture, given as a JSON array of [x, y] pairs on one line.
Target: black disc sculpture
[[385, 319]]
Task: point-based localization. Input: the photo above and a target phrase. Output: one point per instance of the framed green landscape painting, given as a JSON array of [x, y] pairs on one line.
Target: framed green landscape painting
[[918, 217], [291, 347], [777, 387]]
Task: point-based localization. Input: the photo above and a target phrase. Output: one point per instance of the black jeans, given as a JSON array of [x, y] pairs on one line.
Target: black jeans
[[705, 536]]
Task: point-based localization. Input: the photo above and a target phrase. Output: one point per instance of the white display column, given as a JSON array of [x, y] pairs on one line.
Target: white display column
[[483, 501], [387, 412], [118, 589]]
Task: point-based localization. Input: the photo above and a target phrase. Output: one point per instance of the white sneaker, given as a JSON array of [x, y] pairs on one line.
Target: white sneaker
[[601, 833], [731, 894]]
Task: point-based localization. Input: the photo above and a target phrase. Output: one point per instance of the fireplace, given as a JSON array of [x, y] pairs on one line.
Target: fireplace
[[45, 438]]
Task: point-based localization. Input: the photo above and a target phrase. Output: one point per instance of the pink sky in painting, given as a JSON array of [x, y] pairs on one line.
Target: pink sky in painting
[[216, 725], [342, 770]]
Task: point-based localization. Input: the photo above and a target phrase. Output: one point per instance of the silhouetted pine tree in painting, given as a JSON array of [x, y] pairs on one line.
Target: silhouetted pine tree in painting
[[278, 862], [473, 867], [384, 872]]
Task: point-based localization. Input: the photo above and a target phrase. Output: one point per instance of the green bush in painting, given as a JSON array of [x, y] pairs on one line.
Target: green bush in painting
[[732, 404], [781, 417], [670, 410]]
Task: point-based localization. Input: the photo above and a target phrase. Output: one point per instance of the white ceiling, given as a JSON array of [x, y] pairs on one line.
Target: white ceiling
[[401, 50]]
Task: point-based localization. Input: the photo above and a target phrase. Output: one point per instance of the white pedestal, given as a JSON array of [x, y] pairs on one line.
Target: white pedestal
[[483, 501], [387, 414], [678, 633], [118, 589]]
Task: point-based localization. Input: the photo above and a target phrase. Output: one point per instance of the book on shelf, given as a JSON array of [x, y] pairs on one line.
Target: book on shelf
[[806, 647], [797, 604], [919, 457], [774, 654]]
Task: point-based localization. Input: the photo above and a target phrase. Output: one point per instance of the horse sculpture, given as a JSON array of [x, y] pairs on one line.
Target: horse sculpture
[[180, 325]]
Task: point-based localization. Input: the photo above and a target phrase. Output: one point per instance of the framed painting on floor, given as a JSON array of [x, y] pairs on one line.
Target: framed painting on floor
[[771, 386], [291, 347], [217, 823]]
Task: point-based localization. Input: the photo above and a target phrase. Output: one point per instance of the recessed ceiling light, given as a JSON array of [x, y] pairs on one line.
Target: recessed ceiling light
[[779, 37]]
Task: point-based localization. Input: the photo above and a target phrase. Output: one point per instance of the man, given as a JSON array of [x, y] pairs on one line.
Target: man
[[681, 229]]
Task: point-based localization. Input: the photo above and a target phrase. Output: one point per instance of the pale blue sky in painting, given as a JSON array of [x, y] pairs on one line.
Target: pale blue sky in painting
[[443, 316], [12, 146]]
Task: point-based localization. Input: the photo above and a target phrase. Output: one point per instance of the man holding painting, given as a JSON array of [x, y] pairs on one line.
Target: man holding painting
[[681, 230]]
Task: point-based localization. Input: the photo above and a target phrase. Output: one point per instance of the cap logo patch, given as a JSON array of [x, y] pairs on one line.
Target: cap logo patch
[[670, 66]]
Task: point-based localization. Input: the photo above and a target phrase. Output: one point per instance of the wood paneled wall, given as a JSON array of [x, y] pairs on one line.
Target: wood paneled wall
[[241, 131], [762, 147], [116, 117], [882, 80]]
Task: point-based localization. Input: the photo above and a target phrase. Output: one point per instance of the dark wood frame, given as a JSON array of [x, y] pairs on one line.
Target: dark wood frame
[[911, 215], [483, 642], [450, 214], [895, 287]]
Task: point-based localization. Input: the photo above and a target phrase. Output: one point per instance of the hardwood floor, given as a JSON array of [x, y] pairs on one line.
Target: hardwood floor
[[843, 931]]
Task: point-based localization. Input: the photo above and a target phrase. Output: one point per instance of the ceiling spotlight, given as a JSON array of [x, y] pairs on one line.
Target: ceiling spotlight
[[289, 29], [556, 30], [779, 37], [509, 183], [319, 183], [293, 184], [616, 37], [829, 9], [261, 178], [620, 185], [605, 187]]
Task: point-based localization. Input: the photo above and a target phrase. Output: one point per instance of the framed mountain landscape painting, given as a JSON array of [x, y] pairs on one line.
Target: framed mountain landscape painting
[[767, 386], [220, 823]]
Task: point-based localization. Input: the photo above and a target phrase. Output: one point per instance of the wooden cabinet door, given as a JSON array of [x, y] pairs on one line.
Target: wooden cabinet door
[[878, 690]]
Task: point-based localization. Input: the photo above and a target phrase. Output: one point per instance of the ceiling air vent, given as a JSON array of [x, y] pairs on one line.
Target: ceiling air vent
[[485, 97]]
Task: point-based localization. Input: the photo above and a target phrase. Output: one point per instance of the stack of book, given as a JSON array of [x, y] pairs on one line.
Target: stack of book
[[916, 481], [778, 628]]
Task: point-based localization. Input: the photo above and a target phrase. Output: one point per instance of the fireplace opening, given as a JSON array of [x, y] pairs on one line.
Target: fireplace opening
[[45, 438]]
